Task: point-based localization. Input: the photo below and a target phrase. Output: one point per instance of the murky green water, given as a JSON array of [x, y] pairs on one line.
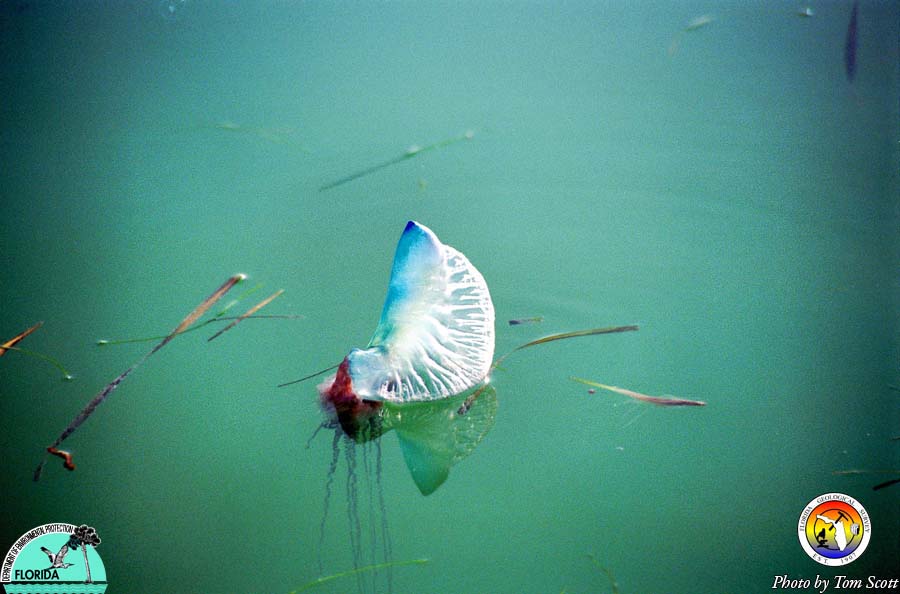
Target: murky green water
[[736, 197]]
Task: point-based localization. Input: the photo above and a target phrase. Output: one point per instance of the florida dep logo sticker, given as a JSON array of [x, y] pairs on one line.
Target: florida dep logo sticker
[[55, 558], [834, 529]]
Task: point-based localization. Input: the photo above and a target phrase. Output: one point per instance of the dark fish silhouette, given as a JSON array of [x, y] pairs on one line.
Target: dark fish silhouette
[[850, 45]]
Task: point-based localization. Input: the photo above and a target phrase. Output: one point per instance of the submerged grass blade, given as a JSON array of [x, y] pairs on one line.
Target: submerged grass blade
[[248, 313], [66, 375], [18, 338], [9, 345], [322, 580], [657, 400], [612, 580], [88, 410], [409, 154]]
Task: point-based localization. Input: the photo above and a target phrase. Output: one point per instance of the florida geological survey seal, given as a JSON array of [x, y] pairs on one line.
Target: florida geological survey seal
[[834, 529]]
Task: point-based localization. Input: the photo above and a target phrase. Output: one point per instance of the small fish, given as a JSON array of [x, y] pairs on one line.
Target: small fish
[[520, 321], [806, 12], [850, 44], [657, 400]]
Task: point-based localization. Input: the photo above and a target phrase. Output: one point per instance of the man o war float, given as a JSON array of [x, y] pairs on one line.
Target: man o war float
[[428, 361], [433, 343]]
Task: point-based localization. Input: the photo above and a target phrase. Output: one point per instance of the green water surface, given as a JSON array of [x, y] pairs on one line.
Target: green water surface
[[737, 198]]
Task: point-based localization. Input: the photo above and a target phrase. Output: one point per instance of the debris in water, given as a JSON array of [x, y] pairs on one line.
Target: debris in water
[[328, 578], [409, 154], [282, 135], [66, 456], [247, 314], [310, 376], [877, 487], [553, 337], [658, 400], [9, 345], [18, 338], [694, 24], [88, 410], [609, 574], [520, 321]]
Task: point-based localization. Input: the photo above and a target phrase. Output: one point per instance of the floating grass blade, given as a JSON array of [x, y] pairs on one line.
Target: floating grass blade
[[18, 338], [104, 342], [854, 471], [88, 410], [280, 135], [694, 24], [577, 333], [409, 154], [877, 487], [375, 567], [237, 299], [464, 408], [200, 309], [247, 313], [657, 400]]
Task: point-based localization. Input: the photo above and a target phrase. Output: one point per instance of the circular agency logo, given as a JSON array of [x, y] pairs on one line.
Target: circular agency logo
[[47, 557], [834, 529]]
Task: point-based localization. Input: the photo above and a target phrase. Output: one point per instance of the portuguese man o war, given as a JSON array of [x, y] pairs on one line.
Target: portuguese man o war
[[435, 338], [429, 359]]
